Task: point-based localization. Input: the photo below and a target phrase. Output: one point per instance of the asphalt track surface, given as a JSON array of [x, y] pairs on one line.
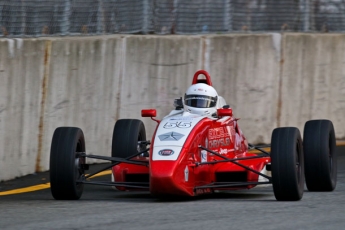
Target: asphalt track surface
[[103, 208]]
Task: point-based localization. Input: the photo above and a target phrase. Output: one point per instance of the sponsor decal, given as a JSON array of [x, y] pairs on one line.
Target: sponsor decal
[[216, 143], [217, 133], [166, 152], [231, 131], [203, 154], [181, 124], [219, 137], [187, 118], [238, 141], [186, 174], [223, 151], [203, 98], [200, 191], [172, 136]]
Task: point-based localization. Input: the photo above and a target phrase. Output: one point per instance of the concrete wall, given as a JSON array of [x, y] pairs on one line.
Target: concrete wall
[[21, 74], [270, 80], [313, 80]]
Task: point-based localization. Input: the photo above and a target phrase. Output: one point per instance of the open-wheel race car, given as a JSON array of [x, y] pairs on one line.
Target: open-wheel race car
[[198, 148]]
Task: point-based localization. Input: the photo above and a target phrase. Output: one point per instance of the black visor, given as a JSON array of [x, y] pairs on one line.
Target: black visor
[[200, 101]]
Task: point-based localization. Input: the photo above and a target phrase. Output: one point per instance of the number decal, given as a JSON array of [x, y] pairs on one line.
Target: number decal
[[181, 124]]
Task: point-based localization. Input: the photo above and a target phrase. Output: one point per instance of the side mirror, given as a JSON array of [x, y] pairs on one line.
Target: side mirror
[[178, 103], [224, 112], [148, 113]]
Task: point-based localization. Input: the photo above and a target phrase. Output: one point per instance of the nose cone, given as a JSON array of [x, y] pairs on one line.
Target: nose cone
[[169, 178]]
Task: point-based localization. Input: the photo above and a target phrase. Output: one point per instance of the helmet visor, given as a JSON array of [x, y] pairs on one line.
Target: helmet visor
[[200, 101]]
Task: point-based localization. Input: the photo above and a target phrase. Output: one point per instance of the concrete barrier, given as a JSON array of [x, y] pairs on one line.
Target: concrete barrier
[[21, 74], [245, 70], [270, 80], [156, 70], [313, 80]]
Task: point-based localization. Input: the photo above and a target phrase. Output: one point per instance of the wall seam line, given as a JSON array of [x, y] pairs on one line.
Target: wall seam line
[[280, 86], [45, 80]]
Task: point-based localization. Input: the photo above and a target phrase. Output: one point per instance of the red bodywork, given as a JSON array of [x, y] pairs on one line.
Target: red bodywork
[[191, 174]]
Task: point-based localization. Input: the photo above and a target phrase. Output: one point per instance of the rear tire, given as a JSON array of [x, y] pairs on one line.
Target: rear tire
[[65, 163], [287, 164], [127, 133], [320, 155]]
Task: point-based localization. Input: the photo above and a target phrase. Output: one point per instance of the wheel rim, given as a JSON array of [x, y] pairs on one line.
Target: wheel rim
[[330, 153], [78, 164], [298, 163]]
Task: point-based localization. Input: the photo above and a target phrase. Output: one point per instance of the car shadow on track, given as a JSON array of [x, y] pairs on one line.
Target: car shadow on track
[[101, 194]]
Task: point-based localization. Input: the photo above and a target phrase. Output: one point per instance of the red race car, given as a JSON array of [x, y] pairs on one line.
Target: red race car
[[198, 148]]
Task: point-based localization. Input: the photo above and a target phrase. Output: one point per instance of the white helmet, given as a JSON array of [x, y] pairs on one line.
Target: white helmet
[[201, 99]]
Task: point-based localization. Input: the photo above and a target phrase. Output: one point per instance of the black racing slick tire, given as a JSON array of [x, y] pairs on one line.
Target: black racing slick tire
[[287, 164], [320, 155], [127, 133], [66, 163]]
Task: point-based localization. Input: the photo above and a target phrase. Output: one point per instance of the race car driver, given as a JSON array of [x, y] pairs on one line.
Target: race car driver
[[201, 99]]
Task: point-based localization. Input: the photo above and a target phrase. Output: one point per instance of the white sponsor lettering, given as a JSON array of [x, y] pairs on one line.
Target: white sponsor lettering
[[203, 155], [223, 151], [219, 142], [217, 133], [181, 119], [166, 152], [186, 174]]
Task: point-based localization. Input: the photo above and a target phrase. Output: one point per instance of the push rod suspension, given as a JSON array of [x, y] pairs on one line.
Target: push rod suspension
[[234, 161], [227, 184], [260, 148], [129, 185], [114, 163], [231, 160]]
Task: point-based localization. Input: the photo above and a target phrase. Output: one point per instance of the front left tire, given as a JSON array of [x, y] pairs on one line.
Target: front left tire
[[287, 164], [320, 155], [66, 163], [126, 135]]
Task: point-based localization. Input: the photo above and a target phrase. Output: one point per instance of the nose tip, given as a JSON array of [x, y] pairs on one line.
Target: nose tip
[[164, 180]]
